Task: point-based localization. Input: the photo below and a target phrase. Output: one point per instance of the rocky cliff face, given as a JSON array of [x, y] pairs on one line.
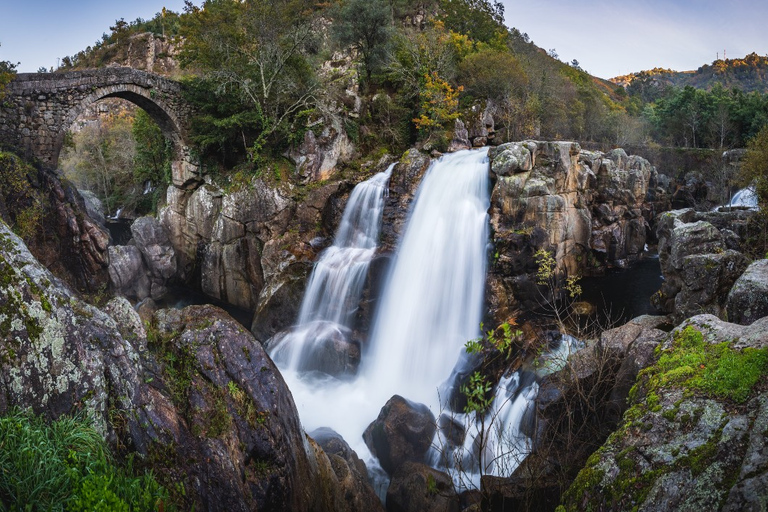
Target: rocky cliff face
[[590, 210], [190, 391], [254, 246], [700, 261], [52, 216]]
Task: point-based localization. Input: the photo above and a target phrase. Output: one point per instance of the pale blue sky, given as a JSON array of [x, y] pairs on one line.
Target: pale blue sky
[[607, 37], [37, 32], [616, 37]]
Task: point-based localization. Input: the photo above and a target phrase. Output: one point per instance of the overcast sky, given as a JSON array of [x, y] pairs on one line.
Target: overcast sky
[[607, 37]]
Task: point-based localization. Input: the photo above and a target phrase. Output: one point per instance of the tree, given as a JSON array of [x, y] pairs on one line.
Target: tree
[[256, 49], [366, 26], [7, 72], [101, 160], [492, 74], [439, 104], [720, 120], [419, 54], [754, 170], [481, 20]]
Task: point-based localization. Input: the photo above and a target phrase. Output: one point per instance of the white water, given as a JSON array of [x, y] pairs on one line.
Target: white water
[[337, 280], [493, 443], [431, 305], [745, 197]]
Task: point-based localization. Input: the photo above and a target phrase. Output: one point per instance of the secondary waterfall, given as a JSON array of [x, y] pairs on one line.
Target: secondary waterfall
[[745, 197], [335, 286], [430, 307]]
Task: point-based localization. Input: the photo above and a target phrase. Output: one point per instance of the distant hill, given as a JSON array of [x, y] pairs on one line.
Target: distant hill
[[748, 74]]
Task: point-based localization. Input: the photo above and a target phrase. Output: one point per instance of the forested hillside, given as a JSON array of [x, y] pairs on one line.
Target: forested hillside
[[364, 77], [748, 74]]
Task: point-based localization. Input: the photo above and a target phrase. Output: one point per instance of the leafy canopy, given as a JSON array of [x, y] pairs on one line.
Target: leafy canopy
[[366, 26]]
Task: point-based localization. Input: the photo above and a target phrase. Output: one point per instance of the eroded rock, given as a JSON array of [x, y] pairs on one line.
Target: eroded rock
[[417, 487]]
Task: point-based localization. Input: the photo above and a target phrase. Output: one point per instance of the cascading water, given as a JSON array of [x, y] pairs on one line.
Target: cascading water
[[431, 305], [432, 302], [336, 284], [745, 197]]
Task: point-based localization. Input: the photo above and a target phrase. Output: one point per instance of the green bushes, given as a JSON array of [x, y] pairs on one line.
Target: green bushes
[[65, 466]]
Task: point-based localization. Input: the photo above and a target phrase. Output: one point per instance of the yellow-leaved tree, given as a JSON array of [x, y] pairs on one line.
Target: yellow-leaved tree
[[439, 105]]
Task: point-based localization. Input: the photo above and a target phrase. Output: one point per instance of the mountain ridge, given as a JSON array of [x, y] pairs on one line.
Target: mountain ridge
[[749, 73]]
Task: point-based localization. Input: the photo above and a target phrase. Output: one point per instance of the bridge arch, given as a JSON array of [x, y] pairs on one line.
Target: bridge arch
[[159, 113], [40, 109]]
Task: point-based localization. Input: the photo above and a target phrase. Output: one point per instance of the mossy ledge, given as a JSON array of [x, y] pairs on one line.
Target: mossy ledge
[[693, 417]]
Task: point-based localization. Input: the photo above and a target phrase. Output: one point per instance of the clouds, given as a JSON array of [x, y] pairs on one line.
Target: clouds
[[611, 38]]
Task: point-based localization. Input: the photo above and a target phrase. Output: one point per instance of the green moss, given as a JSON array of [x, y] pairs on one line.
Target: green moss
[[700, 458], [688, 363], [587, 482], [652, 402], [219, 421], [15, 306], [717, 370]]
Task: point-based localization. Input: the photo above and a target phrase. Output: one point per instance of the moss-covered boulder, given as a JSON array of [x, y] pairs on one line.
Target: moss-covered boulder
[[693, 438], [192, 394]]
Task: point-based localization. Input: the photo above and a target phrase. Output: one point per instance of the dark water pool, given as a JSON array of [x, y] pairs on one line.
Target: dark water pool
[[623, 294], [179, 297]]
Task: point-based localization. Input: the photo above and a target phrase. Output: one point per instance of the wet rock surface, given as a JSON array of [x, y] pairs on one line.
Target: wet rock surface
[[402, 432], [405, 179], [417, 487]]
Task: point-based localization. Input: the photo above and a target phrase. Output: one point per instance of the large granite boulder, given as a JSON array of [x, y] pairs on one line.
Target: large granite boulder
[[460, 138], [152, 240], [698, 266], [402, 432], [590, 210], [127, 272], [689, 440], [194, 395], [748, 299], [318, 155], [350, 471]]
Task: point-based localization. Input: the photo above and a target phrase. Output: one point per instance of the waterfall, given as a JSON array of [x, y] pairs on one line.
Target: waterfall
[[745, 197], [335, 287], [432, 302], [431, 305]]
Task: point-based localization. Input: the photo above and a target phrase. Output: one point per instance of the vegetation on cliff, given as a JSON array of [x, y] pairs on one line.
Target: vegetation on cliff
[[123, 158], [747, 74]]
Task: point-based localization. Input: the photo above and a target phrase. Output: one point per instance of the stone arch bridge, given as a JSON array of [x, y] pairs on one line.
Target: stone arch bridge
[[39, 108]]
